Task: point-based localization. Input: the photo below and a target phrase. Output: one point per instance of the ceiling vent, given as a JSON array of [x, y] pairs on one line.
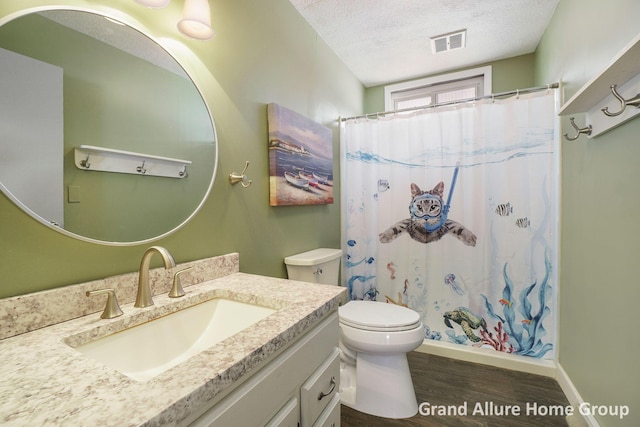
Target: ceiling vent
[[450, 41]]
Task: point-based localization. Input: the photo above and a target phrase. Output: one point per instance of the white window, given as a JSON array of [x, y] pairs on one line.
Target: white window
[[451, 87]]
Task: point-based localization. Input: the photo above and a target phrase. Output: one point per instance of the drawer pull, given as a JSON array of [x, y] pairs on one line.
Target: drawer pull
[[322, 395]]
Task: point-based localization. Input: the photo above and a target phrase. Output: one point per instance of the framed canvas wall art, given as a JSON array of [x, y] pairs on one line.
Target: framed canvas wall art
[[300, 159]]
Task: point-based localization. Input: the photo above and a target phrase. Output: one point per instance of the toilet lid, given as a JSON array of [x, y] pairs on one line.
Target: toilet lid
[[378, 316]]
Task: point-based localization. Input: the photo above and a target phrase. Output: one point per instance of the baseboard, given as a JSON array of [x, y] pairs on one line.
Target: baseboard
[[577, 420], [489, 357]]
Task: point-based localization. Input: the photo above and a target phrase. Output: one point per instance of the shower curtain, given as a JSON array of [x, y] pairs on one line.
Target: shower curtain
[[453, 212]]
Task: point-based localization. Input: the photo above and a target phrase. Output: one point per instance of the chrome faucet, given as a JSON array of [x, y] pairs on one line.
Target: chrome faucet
[[144, 297]]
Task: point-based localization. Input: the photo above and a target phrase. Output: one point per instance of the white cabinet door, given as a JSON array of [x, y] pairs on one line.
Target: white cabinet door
[[288, 416]]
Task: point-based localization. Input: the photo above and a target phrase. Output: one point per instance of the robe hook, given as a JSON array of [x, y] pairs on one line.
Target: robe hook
[[85, 163], [141, 168], [241, 178], [635, 101], [586, 130]]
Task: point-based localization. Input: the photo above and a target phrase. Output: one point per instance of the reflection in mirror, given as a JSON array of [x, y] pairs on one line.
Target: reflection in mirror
[[72, 78]]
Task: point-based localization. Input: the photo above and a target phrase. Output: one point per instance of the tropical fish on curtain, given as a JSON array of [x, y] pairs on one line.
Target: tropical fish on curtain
[[479, 264]]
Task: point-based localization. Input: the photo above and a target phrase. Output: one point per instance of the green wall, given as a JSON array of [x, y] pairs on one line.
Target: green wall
[[599, 290], [264, 52]]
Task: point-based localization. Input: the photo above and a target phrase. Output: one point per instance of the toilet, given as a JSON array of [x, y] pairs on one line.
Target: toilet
[[375, 338]]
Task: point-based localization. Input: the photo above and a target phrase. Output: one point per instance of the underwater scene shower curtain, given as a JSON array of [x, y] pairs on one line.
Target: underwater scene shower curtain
[[453, 212]]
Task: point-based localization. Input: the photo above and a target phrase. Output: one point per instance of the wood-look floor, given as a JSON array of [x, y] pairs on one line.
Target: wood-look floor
[[443, 381]]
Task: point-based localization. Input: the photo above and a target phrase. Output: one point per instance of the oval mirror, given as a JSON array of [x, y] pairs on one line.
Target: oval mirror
[[103, 136]]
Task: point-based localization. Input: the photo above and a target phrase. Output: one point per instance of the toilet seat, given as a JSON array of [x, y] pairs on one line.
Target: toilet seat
[[378, 316]]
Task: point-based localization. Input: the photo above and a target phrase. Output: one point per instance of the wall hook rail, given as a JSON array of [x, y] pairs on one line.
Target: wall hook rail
[[241, 178], [635, 102], [89, 157], [586, 130]]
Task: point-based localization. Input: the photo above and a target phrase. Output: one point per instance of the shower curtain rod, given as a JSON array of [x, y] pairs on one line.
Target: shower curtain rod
[[462, 101]]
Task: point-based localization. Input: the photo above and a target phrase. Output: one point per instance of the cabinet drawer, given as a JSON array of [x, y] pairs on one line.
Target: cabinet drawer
[[331, 415], [320, 388]]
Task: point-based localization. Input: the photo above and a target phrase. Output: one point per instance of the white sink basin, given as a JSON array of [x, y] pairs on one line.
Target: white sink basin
[[147, 350]]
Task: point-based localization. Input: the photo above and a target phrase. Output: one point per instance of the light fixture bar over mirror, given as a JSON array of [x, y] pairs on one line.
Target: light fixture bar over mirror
[[196, 17], [88, 157]]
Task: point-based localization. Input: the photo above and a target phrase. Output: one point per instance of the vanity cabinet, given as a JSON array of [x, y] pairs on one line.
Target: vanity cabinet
[[299, 387]]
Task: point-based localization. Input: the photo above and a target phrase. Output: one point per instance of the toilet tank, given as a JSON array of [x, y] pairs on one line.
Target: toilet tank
[[316, 266]]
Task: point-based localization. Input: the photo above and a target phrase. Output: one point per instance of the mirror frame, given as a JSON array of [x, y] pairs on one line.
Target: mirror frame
[[194, 66]]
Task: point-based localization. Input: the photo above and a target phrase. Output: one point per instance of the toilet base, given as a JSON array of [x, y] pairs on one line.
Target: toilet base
[[383, 386]]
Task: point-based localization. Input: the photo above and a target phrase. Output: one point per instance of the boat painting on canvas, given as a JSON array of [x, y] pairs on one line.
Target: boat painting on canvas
[[300, 159]]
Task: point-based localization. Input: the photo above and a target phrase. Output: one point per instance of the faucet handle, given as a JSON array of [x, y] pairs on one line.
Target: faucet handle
[[112, 309], [176, 290]]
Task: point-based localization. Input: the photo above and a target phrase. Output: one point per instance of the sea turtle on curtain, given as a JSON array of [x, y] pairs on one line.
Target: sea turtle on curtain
[[467, 320], [428, 221]]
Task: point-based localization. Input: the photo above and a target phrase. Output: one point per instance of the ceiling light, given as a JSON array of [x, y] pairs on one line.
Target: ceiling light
[[196, 20], [156, 4]]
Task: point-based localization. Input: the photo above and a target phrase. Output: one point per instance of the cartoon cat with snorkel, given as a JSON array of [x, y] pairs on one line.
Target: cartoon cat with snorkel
[[428, 221]]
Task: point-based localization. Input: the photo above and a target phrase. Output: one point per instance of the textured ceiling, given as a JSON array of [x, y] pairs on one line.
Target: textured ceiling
[[119, 36], [384, 41]]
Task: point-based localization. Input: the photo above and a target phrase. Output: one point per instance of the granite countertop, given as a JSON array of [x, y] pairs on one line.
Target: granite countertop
[[44, 381]]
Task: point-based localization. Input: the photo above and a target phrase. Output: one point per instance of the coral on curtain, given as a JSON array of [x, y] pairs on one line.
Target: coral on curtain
[[453, 212]]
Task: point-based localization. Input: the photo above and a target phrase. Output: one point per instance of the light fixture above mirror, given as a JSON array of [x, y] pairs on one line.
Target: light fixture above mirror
[[196, 20], [196, 17]]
